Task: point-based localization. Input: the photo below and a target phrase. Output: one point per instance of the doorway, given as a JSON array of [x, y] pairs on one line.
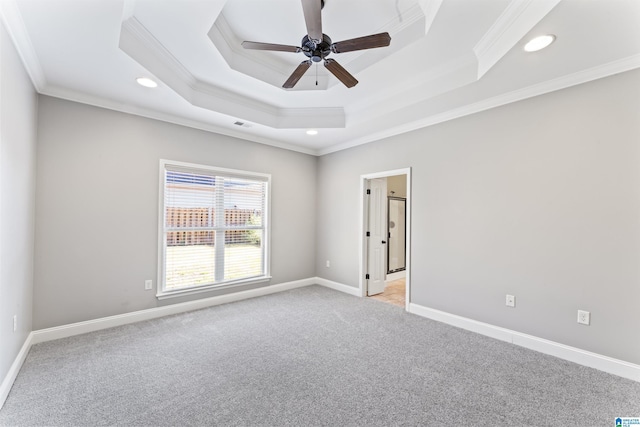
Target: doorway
[[397, 231], [385, 266]]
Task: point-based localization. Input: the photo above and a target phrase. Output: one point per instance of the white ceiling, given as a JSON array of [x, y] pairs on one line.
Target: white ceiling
[[447, 58]]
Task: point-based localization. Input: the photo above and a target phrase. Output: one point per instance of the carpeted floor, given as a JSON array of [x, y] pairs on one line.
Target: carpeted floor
[[306, 357]]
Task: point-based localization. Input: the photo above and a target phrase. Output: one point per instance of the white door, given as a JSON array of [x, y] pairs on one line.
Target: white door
[[377, 240]]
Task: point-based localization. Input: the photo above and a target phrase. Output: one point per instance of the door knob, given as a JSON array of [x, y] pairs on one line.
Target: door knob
[[383, 242]]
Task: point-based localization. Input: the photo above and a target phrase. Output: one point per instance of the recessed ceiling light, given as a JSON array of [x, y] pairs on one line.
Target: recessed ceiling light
[[312, 132], [539, 43], [146, 82]]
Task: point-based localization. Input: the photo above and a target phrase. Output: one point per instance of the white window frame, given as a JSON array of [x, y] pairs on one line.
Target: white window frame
[[162, 292]]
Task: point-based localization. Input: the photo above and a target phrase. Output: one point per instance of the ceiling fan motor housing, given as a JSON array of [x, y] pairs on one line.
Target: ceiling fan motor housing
[[316, 51]]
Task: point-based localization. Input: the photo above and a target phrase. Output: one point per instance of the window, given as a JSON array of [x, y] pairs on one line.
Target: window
[[213, 228]]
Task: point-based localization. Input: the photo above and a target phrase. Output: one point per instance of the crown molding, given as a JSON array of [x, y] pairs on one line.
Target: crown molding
[[404, 31], [580, 77], [433, 81], [430, 9], [515, 22], [17, 30], [100, 102], [138, 42], [606, 70], [263, 66], [259, 65], [412, 17]]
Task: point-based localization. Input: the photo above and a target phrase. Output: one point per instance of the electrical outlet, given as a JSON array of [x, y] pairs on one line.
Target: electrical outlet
[[511, 301], [584, 317], [148, 285], [15, 322], [328, 264]]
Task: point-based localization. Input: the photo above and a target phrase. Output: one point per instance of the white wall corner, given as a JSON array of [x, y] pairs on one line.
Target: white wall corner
[[12, 18], [519, 17], [607, 364], [7, 381], [337, 286]]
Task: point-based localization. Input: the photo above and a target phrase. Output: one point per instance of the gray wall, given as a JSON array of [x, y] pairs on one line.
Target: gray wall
[[97, 207], [539, 199], [18, 105]]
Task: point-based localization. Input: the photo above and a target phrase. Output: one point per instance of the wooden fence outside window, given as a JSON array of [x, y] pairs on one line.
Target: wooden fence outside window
[[177, 218]]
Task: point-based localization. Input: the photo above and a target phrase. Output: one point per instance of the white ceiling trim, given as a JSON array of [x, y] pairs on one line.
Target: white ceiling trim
[[137, 42], [14, 24], [615, 67], [430, 9], [515, 22], [134, 35], [100, 102], [404, 32], [262, 66], [11, 16], [259, 65], [564, 82], [434, 81]]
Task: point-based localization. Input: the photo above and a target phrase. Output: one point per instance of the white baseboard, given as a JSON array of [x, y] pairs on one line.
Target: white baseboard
[[337, 286], [8, 380], [586, 358], [64, 331], [72, 329], [572, 354]]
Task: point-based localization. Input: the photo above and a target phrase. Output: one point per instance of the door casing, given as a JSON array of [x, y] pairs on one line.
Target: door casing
[[364, 212]]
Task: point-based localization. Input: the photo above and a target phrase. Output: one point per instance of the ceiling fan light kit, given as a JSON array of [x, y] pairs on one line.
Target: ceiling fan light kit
[[317, 46]]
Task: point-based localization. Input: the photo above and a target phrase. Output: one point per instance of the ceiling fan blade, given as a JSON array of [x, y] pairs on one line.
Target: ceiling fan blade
[[360, 43], [337, 70], [270, 46], [297, 74], [312, 10]]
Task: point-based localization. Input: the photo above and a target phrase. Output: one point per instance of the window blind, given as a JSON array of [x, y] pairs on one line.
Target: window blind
[[214, 227]]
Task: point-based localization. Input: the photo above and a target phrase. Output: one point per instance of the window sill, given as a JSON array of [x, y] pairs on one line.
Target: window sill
[[209, 288]]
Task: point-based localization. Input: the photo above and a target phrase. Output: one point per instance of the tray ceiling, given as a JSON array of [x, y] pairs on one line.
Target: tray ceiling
[[447, 58]]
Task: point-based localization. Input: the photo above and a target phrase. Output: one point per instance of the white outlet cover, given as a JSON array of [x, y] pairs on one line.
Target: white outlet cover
[[584, 317], [511, 301]]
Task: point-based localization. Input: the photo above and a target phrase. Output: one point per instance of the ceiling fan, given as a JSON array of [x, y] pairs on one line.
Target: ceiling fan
[[317, 46]]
